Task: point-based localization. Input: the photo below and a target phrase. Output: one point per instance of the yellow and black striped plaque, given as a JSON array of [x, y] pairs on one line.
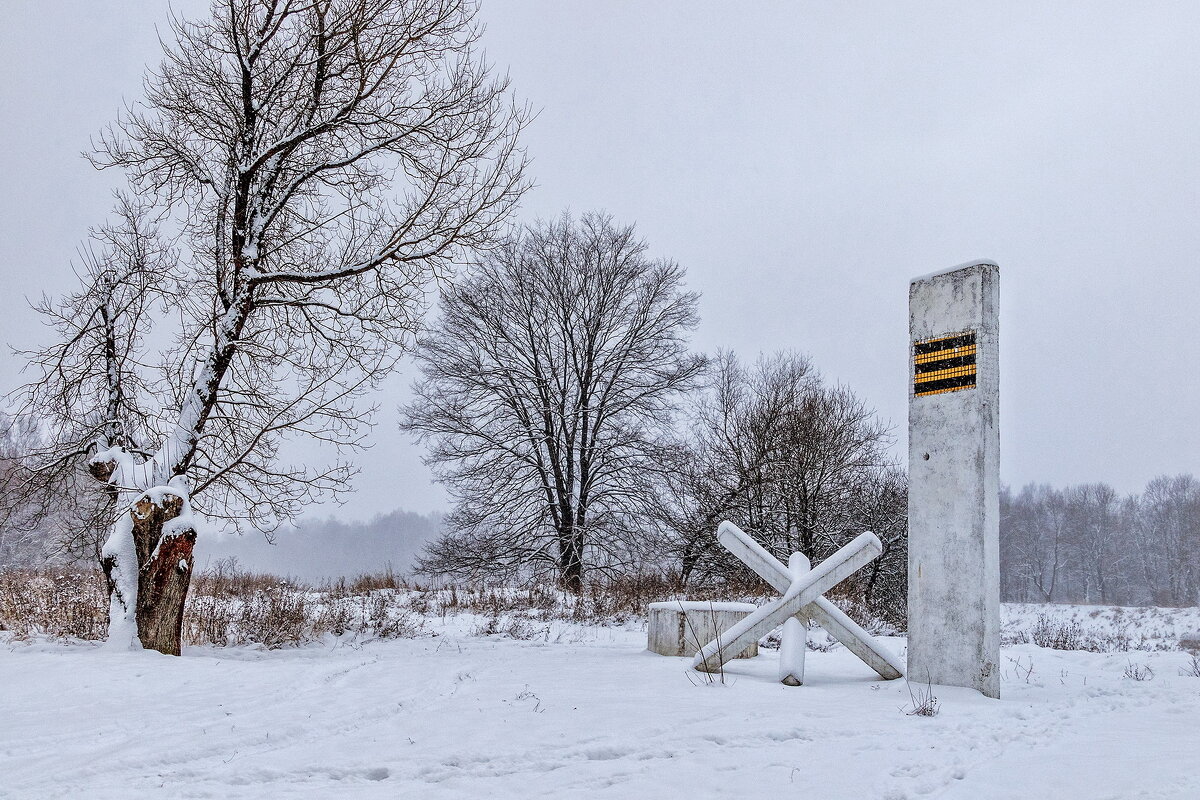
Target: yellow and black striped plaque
[[944, 364]]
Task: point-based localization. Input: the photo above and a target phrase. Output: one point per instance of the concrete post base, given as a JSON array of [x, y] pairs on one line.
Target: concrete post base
[[682, 627]]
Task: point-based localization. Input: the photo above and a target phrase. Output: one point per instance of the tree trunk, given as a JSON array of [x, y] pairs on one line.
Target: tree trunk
[[687, 563], [164, 572], [570, 560]]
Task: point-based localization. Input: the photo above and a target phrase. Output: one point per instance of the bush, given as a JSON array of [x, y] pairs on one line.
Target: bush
[[1072, 635], [1059, 635]]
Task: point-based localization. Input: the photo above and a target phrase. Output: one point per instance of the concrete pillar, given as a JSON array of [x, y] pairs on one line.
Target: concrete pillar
[[953, 478]]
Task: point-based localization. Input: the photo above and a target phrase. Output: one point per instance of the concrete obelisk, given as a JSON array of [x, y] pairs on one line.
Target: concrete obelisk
[[953, 478]]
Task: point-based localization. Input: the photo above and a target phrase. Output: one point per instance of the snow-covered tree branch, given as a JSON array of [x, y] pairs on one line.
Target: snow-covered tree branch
[[316, 164]]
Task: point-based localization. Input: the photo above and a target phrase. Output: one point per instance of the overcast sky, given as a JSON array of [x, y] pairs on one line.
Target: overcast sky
[[802, 160]]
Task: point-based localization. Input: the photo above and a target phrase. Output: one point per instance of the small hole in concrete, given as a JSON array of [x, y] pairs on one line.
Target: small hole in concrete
[[926, 456]]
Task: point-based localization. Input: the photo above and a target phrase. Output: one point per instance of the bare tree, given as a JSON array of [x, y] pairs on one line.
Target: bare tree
[[1166, 530], [1084, 544], [548, 382], [723, 466], [1096, 531], [883, 510], [1035, 546], [800, 465], [23, 535], [88, 385], [316, 163]]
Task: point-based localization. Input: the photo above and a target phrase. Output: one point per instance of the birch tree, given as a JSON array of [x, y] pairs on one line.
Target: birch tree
[[313, 165]]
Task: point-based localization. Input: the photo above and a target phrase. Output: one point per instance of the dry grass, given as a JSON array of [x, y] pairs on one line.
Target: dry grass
[[226, 607], [229, 606], [614, 601], [923, 701], [1071, 634], [1192, 668], [1138, 672], [60, 603]]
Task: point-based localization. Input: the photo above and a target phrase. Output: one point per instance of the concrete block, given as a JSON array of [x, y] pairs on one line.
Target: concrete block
[[682, 627]]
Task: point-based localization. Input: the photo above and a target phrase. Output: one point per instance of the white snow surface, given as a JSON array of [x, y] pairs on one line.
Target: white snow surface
[[703, 605], [578, 712], [122, 622]]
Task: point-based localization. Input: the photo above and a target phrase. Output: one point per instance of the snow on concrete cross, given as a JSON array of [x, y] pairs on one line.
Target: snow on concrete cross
[[802, 600]]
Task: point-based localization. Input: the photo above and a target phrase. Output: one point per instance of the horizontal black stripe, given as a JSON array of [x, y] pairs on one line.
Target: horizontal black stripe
[[956, 382], [949, 343], [945, 363]]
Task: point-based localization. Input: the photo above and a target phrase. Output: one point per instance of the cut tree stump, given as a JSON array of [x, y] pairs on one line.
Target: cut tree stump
[[682, 627]]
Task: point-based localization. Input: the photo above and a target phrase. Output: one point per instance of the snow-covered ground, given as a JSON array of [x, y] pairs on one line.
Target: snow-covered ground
[[579, 712]]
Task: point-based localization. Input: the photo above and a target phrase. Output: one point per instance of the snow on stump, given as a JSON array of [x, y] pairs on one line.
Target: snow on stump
[[1190, 642], [682, 627]]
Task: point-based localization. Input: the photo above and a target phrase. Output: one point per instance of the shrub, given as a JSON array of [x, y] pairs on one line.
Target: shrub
[[1192, 668], [924, 704], [1138, 672], [1059, 635]]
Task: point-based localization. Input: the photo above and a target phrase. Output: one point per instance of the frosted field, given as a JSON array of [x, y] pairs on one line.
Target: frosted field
[[584, 711]]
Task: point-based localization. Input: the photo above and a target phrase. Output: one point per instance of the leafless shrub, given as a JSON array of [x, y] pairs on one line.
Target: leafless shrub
[[609, 601], [287, 616], [1022, 671], [1073, 635], [510, 626], [1059, 635], [366, 582], [924, 704], [1138, 672], [278, 618], [823, 643], [388, 619], [1192, 668], [877, 622], [1009, 638], [226, 578]]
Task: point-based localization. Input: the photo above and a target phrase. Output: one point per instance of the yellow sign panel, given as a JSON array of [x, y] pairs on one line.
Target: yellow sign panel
[[945, 364]]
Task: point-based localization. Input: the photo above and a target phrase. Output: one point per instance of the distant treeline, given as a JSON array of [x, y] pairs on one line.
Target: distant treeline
[[1088, 544], [320, 549]]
